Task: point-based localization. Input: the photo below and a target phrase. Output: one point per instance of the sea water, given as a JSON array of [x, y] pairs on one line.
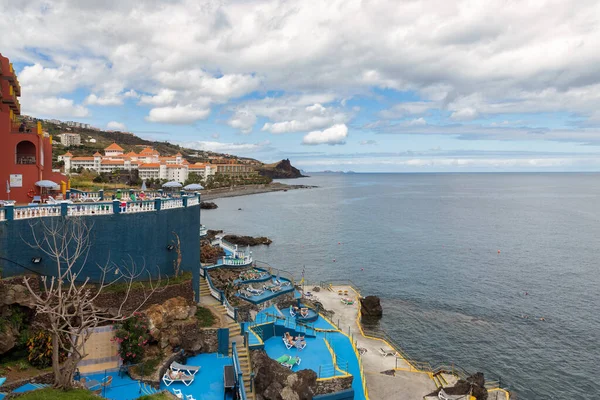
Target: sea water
[[493, 272]]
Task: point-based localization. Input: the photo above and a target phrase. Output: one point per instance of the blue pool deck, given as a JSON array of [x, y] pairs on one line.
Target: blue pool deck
[[207, 385], [267, 294], [316, 355]]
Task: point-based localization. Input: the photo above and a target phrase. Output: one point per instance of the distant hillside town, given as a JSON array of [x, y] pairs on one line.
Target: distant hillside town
[[151, 165]]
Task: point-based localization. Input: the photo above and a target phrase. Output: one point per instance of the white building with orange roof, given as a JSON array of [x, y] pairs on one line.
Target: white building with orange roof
[[148, 162]]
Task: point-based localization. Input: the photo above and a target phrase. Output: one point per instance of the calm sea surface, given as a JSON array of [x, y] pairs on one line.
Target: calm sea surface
[[428, 244]]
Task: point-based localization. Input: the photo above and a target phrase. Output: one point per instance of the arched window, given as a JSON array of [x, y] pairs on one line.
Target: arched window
[[25, 152]]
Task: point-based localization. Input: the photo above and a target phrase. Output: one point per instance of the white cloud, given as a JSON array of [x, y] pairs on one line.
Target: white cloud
[[110, 100], [177, 114], [117, 126], [417, 122], [219, 147], [337, 134], [243, 119], [162, 98], [53, 107], [367, 142], [131, 94], [464, 114]]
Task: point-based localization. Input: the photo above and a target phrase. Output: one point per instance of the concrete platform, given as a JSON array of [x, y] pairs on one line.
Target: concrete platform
[[404, 385]]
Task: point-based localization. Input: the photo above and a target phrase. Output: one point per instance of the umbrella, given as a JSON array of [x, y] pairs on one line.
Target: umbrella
[[172, 184], [193, 186], [46, 184], [143, 185]]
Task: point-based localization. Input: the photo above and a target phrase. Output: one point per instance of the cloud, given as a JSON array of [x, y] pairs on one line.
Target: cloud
[[219, 147], [117, 126], [53, 107], [464, 114], [162, 98], [416, 122], [215, 136], [337, 134], [132, 94], [177, 114], [367, 142], [311, 117], [243, 119], [111, 100]]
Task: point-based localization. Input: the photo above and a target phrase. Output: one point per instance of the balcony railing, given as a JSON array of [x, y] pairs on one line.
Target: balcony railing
[[26, 160], [11, 212]]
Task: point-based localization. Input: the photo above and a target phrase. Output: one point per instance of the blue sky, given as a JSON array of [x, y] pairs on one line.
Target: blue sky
[[389, 86]]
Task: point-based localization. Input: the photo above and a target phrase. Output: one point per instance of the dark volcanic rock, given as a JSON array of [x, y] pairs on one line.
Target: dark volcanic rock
[[210, 254], [475, 384], [276, 382], [248, 240], [281, 170], [207, 205], [370, 306]]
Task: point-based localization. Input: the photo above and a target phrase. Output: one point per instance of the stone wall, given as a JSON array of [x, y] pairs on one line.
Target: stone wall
[[334, 385]]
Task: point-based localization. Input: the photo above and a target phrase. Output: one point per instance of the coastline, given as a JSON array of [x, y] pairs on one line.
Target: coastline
[[212, 194]]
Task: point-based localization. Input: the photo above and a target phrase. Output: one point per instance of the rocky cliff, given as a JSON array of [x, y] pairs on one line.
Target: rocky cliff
[[280, 170]]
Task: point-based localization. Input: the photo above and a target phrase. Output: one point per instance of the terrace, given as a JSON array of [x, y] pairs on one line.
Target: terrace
[[95, 208], [329, 352]]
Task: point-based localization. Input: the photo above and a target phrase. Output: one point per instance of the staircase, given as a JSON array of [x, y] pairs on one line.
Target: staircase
[[246, 371], [439, 380], [204, 289]]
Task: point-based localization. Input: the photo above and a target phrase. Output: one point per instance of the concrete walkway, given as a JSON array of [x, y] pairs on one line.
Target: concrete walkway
[[404, 385]]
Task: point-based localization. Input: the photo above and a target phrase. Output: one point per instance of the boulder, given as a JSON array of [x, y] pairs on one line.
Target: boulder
[[8, 338], [161, 316], [244, 241], [207, 205], [474, 384], [370, 306], [276, 382], [316, 289]]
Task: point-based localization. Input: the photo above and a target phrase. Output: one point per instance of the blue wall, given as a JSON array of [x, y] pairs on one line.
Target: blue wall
[[143, 236], [343, 395]]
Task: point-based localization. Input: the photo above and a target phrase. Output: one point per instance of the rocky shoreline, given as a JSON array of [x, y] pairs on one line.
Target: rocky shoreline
[[212, 194]]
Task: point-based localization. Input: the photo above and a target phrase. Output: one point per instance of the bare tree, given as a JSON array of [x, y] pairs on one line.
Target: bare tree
[[177, 248], [67, 300]]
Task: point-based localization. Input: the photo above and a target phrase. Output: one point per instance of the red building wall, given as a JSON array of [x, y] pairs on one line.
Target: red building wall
[[25, 154]]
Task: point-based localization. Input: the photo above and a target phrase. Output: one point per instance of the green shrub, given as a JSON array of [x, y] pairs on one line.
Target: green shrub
[[132, 337], [205, 317], [40, 348]]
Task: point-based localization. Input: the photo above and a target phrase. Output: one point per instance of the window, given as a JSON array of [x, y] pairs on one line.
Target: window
[[25, 152]]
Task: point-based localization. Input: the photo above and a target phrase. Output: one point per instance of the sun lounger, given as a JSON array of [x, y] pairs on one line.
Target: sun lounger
[[288, 344], [183, 378], [291, 362], [300, 344], [189, 369], [252, 290], [178, 393], [347, 301], [444, 396], [189, 397], [386, 353], [292, 313], [282, 359]]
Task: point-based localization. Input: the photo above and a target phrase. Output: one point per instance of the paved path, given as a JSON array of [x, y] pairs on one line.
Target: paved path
[[404, 385]]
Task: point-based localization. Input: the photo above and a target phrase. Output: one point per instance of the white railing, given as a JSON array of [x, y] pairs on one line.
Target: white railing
[[229, 308], [36, 212], [215, 293], [193, 201], [2, 216], [141, 206], [203, 230], [202, 273], [227, 246], [89, 209], [237, 261], [171, 203]]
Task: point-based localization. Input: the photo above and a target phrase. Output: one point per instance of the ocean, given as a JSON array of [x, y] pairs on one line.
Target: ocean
[[494, 272]]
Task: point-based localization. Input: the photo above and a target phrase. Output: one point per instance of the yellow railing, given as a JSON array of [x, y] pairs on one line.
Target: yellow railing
[[343, 373]]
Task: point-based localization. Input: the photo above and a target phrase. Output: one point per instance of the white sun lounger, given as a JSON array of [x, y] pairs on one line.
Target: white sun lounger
[[444, 396], [189, 369], [185, 379], [386, 353]]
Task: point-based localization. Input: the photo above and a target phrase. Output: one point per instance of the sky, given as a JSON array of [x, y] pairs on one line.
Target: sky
[[367, 86]]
